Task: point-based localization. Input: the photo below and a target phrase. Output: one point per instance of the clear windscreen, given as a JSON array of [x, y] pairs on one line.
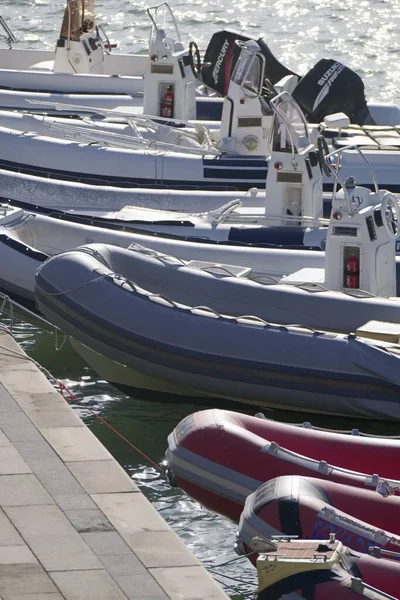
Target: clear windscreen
[[290, 121], [248, 72], [163, 23]]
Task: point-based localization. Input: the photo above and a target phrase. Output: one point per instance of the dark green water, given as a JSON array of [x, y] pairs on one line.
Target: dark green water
[[147, 424]]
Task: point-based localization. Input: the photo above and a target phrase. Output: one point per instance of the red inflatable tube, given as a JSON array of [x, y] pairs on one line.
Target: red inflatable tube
[[219, 457]]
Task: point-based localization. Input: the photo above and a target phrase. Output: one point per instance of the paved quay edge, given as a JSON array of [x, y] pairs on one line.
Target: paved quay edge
[[73, 525]]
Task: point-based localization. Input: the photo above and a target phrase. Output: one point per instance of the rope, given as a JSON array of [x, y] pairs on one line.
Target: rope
[[82, 285], [345, 431], [231, 587], [71, 396], [355, 432], [62, 387], [17, 354]]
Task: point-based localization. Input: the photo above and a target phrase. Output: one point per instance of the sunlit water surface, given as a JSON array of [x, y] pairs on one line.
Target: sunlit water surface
[[362, 34]]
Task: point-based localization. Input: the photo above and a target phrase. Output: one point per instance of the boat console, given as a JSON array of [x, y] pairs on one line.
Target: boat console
[[360, 245], [172, 71], [294, 179], [80, 47], [247, 118]]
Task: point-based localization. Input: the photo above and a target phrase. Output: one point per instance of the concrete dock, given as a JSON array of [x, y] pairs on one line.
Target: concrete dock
[[73, 525]]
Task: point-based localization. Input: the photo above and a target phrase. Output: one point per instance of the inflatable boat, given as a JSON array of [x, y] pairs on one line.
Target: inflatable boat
[[237, 156], [83, 62], [28, 238], [290, 366], [241, 358], [220, 457], [148, 153], [282, 203], [341, 356], [326, 570], [82, 77], [311, 508], [291, 214], [305, 296], [285, 219]]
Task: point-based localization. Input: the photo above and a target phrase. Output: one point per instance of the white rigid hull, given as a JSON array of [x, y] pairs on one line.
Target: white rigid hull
[[148, 164], [21, 70], [101, 200], [82, 61], [46, 101], [87, 162]]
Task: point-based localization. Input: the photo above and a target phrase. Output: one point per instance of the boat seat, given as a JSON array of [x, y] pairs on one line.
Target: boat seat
[[45, 65], [360, 130], [286, 84], [357, 140], [370, 137], [306, 275], [373, 128], [380, 330]]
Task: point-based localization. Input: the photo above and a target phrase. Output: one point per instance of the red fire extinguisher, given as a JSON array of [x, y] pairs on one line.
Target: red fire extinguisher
[[167, 105], [352, 272]]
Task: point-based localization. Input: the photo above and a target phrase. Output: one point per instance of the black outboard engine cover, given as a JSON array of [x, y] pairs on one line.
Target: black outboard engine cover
[[221, 56], [331, 87], [274, 70]]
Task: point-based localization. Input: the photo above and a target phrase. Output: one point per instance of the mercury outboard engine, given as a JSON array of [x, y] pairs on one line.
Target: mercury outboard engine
[[221, 57], [331, 87]]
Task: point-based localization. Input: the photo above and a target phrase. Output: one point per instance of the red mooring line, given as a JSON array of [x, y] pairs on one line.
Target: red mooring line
[[71, 396]]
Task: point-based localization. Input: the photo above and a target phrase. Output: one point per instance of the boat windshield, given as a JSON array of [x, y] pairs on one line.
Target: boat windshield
[[78, 18], [163, 24], [6, 34], [248, 72], [291, 122]]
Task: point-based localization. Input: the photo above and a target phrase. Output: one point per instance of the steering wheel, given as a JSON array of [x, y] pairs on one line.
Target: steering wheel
[[195, 53], [103, 38], [268, 90], [323, 152], [390, 212]]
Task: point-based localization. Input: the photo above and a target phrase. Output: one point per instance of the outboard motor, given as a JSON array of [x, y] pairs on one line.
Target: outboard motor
[[221, 57], [331, 87], [294, 179], [170, 81], [360, 246], [322, 570], [247, 118], [80, 49]]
